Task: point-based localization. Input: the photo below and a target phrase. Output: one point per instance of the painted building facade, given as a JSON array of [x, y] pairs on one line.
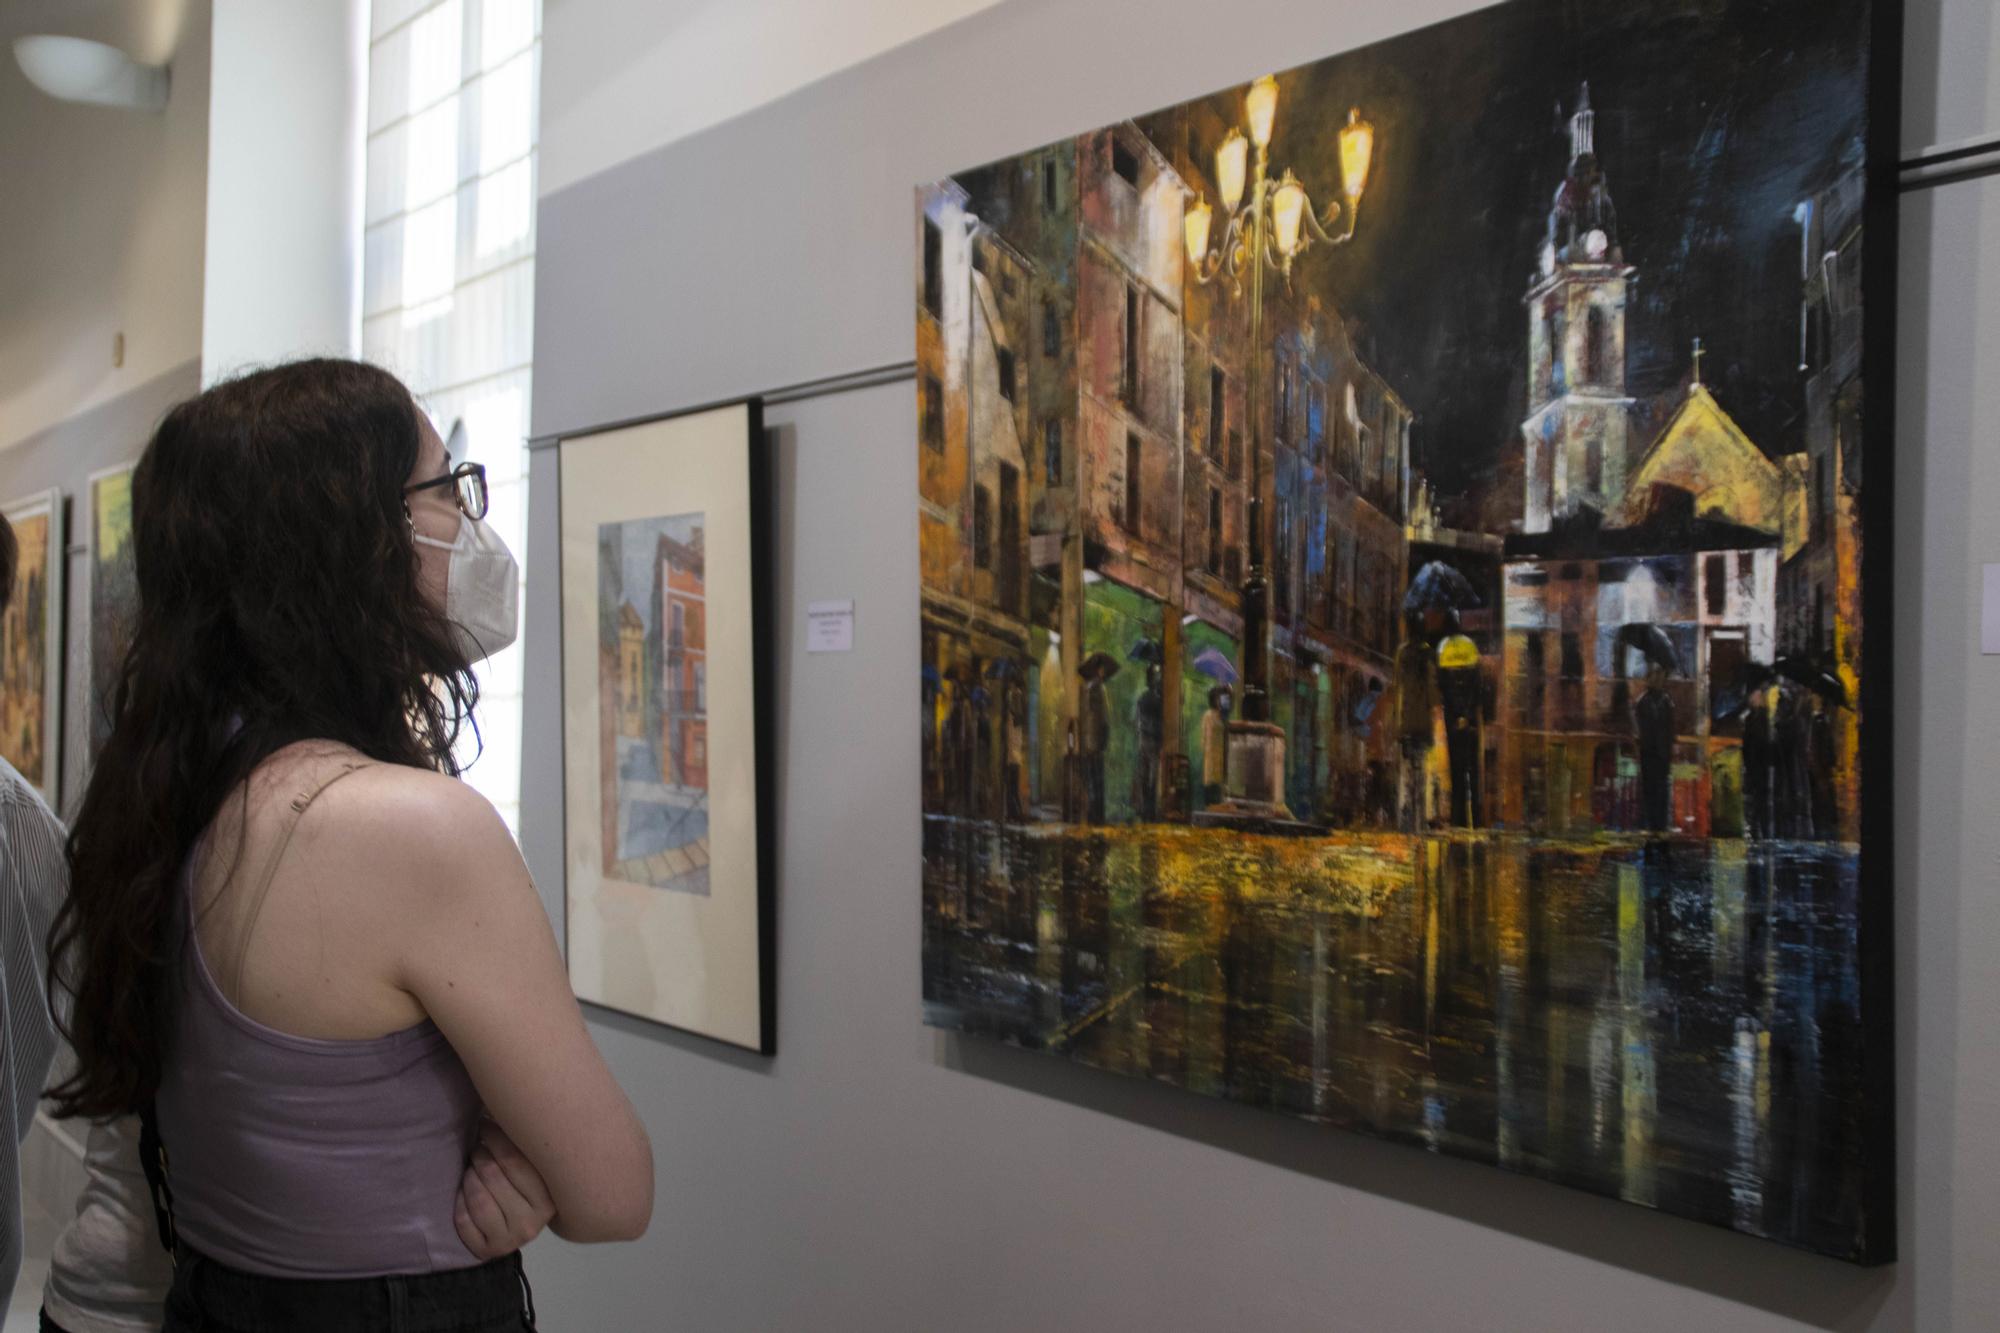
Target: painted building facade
[[1084, 360]]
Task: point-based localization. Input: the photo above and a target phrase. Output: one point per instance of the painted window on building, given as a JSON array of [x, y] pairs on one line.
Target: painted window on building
[[1218, 411], [1214, 530], [933, 406], [1125, 163], [933, 269], [1134, 461]]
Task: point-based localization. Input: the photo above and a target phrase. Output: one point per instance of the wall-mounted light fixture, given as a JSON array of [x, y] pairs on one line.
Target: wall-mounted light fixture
[[75, 69]]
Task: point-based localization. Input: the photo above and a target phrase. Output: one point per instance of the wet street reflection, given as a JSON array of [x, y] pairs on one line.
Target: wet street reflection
[[1675, 1023]]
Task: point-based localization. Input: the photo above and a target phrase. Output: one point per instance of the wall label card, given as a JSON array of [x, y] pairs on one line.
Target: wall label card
[[830, 627], [1989, 619]]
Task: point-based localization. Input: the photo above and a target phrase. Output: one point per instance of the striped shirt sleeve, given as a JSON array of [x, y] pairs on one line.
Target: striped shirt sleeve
[[34, 876]]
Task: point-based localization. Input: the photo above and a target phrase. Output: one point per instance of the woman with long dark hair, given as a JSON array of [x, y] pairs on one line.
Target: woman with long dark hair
[[291, 928]]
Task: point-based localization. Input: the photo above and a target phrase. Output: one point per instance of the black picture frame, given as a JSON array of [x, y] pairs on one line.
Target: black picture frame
[[760, 554]]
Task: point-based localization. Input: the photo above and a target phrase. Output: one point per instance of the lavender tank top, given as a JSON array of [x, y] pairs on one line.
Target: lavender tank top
[[302, 1157]]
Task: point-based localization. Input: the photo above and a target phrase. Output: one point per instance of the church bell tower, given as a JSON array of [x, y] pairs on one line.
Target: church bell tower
[[1577, 449]]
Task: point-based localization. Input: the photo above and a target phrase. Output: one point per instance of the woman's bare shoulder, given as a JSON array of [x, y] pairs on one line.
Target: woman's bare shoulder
[[386, 818]]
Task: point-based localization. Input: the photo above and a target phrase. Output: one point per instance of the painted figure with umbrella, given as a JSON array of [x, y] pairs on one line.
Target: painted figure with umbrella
[[1787, 713], [1007, 673], [933, 773], [1654, 722], [1802, 747], [1215, 664], [1095, 739], [1149, 726], [1437, 593]]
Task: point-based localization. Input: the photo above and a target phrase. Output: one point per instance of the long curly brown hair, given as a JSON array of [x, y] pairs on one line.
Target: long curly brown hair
[[278, 602]]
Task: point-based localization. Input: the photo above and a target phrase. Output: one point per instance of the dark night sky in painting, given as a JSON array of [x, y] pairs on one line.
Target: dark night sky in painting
[[1714, 119]]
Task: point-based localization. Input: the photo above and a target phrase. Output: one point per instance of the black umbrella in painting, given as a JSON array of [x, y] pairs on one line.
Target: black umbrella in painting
[[1439, 587], [1147, 650], [1102, 666], [1653, 642]]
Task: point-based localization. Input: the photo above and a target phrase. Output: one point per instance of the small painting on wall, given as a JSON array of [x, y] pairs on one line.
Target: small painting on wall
[[31, 646], [666, 727], [110, 596]]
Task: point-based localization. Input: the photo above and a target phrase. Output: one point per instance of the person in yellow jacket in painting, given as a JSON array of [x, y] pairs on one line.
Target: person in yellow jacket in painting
[[1458, 688]]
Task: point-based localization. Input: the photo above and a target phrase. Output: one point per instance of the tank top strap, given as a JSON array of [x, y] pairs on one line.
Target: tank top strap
[[299, 804]]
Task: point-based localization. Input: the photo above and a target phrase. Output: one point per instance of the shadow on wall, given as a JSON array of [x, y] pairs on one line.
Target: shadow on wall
[[1823, 1293]]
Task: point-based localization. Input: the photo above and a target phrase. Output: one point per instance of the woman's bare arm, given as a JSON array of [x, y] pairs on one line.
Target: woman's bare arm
[[476, 951]]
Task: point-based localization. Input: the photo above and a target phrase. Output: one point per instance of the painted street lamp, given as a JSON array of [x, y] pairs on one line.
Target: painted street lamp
[[1270, 228]]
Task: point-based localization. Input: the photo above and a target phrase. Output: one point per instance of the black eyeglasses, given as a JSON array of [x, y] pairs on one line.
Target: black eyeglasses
[[468, 483]]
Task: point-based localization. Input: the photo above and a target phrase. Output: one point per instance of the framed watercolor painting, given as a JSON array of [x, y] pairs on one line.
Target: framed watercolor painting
[[666, 722], [31, 647], [1404, 548]]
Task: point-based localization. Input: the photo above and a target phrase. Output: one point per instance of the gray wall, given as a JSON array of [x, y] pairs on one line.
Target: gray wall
[[102, 213], [64, 455], [878, 1175]]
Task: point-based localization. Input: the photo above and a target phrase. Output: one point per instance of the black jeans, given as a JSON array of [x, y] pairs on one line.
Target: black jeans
[[209, 1297]]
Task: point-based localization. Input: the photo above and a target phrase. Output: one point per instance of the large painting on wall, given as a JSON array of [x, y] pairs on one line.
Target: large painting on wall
[[31, 646], [110, 597], [1402, 553], [665, 704]]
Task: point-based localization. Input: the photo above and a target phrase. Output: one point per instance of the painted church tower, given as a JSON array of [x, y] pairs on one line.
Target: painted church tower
[[1578, 413]]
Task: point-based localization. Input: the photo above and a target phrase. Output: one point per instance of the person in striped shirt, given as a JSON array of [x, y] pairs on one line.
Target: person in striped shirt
[[31, 887]]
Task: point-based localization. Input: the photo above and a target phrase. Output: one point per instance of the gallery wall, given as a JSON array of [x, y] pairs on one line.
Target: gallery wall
[[622, 77], [62, 456], [876, 1174], [103, 212]]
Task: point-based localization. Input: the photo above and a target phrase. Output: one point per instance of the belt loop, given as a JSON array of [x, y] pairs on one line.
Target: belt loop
[[396, 1296], [527, 1294]]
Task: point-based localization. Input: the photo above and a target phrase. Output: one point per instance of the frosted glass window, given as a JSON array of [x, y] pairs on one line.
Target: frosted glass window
[[506, 114], [437, 47], [431, 154], [449, 268], [430, 254], [506, 27], [494, 431], [506, 204]]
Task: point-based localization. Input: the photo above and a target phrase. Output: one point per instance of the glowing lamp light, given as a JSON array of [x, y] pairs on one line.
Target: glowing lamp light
[[1261, 103], [74, 69], [1197, 221], [1288, 206], [1357, 151], [1232, 162]]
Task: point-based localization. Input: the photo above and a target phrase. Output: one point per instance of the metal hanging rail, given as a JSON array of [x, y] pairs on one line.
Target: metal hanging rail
[[1948, 164]]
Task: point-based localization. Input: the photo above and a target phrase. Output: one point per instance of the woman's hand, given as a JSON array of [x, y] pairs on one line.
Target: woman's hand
[[502, 1201]]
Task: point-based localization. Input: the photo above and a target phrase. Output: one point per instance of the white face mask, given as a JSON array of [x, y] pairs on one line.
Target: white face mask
[[482, 590]]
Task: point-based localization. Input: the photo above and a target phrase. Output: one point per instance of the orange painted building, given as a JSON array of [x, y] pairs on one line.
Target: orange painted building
[[684, 674]]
